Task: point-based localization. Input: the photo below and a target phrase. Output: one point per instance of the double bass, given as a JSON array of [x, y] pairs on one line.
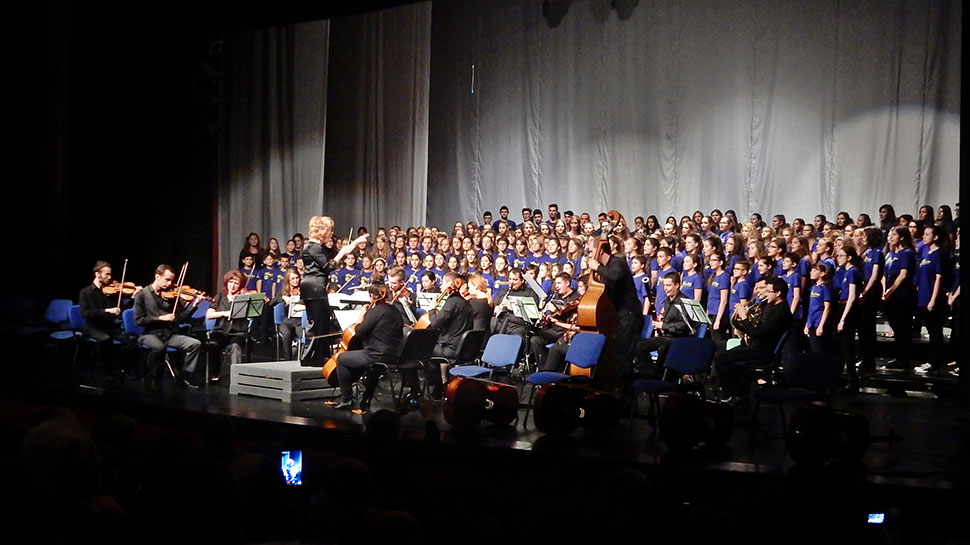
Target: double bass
[[597, 314]]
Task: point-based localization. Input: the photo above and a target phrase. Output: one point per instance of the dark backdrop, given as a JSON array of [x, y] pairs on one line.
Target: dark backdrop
[[111, 117]]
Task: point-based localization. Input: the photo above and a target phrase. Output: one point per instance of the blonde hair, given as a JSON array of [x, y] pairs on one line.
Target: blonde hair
[[320, 227]]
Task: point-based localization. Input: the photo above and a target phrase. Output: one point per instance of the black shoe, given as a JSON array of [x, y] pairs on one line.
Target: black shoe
[[851, 386], [413, 400], [184, 380]]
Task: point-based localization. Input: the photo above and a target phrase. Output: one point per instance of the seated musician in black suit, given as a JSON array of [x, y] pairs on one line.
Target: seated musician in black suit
[[761, 336], [556, 328], [381, 332], [453, 319], [672, 323]]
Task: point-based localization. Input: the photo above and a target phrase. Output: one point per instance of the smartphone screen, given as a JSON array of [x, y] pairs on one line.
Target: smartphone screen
[[877, 518], [291, 464]]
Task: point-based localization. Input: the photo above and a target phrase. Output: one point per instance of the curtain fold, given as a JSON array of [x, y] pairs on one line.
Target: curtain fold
[[271, 172], [773, 107]]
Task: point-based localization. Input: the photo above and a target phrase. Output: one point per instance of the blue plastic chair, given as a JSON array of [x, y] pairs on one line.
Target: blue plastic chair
[[501, 352], [582, 357], [685, 356], [133, 330], [74, 322]]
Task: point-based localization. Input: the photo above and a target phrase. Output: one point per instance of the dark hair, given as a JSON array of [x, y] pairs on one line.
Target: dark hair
[[779, 285], [160, 270], [98, 265]]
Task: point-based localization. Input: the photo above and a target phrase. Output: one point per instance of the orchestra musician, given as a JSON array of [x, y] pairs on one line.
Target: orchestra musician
[[557, 327], [160, 317], [318, 257], [760, 335], [618, 281], [479, 296], [381, 331], [454, 317], [231, 333], [507, 322], [398, 294], [292, 323], [102, 315], [673, 322]]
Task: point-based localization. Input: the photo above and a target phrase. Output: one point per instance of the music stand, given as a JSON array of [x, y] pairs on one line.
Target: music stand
[[249, 305], [525, 308]]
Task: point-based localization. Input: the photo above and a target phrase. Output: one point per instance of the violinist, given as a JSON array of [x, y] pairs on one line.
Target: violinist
[[429, 283], [102, 313], [479, 296], [557, 328], [381, 330], [318, 256], [160, 317], [454, 317], [292, 323], [398, 294], [231, 333]]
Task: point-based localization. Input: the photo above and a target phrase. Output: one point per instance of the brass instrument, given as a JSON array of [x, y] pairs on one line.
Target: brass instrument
[[754, 308]]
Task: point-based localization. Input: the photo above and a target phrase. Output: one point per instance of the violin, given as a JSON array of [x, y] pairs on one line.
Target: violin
[[424, 322], [115, 287], [566, 311], [187, 294]]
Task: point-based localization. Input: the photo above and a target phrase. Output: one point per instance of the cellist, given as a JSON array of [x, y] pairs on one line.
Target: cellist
[[381, 331]]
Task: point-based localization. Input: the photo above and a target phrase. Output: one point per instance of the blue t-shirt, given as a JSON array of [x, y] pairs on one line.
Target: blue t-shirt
[[873, 257], [660, 296], [489, 278], [677, 262], [930, 266], [250, 278], [721, 282], [956, 271], [499, 281], [269, 276], [837, 282], [519, 262], [896, 263], [641, 283], [818, 296], [794, 281], [412, 278], [849, 277], [343, 280], [740, 290], [690, 282]]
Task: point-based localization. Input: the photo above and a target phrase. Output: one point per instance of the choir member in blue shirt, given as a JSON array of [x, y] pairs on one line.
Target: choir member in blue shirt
[[899, 296], [817, 324], [930, 293]]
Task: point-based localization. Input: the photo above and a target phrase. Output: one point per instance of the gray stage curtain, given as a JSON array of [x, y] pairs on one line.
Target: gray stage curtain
[[275, 117], [377, 152], [660, 107]]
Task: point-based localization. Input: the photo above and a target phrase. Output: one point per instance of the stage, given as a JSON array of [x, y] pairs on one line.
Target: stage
[[915, 469]]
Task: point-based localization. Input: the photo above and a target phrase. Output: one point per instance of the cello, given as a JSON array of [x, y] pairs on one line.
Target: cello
[[348, 341]]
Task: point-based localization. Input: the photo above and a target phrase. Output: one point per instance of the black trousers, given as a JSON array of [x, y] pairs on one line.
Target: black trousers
[[646, 366], [109, 353], [868, 309], [847, 336], [318, 319], [731, 371], [899, 312], [350, 366], [625, 339], [933, 320]]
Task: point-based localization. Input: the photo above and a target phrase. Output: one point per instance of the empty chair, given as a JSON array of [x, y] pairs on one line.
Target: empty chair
[[501, 352], [687, 356], [582, 357]]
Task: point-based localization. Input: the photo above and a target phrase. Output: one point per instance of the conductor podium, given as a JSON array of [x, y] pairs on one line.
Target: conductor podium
[[286, 381]]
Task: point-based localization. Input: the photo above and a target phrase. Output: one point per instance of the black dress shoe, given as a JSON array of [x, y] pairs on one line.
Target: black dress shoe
[[184, 380]]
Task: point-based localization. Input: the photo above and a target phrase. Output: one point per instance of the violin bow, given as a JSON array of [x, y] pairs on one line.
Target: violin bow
[[178, 292], [124, 271]]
